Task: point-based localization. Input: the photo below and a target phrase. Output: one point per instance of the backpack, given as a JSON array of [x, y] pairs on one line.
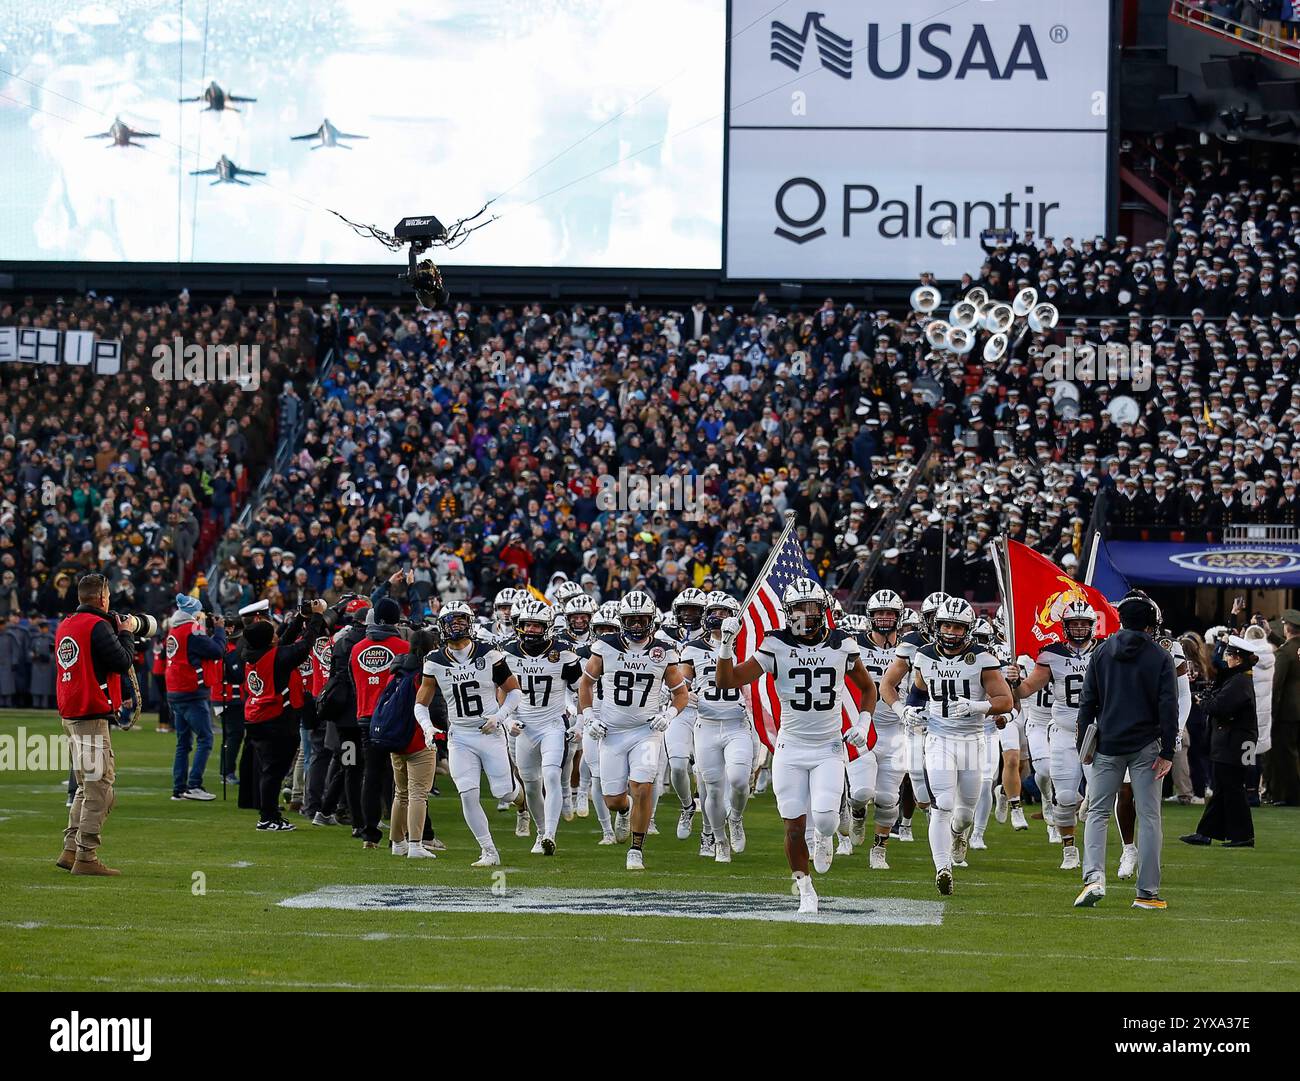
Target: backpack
[[392, 725]]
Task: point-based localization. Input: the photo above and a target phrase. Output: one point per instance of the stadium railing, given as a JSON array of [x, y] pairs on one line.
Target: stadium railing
[[1189, 13]]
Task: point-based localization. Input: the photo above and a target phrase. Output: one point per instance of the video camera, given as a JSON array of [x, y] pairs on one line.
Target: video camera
[[421, 233]]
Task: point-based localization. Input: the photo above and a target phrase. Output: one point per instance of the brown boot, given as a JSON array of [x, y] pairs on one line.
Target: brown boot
[[66, 860], [92, 866]]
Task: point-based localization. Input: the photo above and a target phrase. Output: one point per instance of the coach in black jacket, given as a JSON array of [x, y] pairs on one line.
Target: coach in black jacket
[[1130, 692]]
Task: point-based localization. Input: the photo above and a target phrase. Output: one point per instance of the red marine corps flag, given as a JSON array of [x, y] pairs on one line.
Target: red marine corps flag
[[1034, 592], [762, 612]]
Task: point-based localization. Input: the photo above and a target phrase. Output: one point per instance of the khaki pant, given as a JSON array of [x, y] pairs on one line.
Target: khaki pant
[[1181, 774], [412, 780], [95, 769]]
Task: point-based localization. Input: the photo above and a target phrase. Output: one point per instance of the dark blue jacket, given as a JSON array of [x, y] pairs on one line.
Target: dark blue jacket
[[1131, 691]]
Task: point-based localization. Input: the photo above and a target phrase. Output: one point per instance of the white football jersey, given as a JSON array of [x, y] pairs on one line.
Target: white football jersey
[[1037, 708], [632, 680], [1068, 668], [468, 686], [950, 678], [876, 659], [715, 704], [810, 681], [543, 679], [909, 644]]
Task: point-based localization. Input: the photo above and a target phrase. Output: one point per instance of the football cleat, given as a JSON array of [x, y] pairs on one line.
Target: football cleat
[[607, 839], [536, 850], [567, 808], [843, 846], [960, 842], [1053, 834], [548, 846], [736, 827], [1069, 858], [1090, 895], [635, 860], [487, 858], [1018, 819], [1128, 862], [652, 830], [721, 849], [582, 806], [877, 861], [685, 819], [905, 832], [977, 842], [821, 853], [807, 896], [943, 881], [708, 845], [999, 803], [522, 823], [858, 830], [1152, 904], [622, 826]]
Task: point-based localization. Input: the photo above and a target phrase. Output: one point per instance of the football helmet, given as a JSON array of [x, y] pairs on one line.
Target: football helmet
[[805, 605], [884, 608], [456, 622], [688, 607], [929, 607], [605, 621], [636, 616], [1079, 622], [954, 611], [719, 606], [533, 621], [579, 610]]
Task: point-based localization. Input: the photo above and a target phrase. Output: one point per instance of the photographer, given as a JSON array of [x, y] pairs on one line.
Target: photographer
[[93, 651], [186, 648], [272, 694], [338, 708]]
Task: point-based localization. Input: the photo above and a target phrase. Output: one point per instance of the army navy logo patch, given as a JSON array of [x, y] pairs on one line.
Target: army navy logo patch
[[255, 684], [68, 652]]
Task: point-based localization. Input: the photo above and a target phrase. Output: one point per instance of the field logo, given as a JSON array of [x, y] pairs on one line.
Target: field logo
[[676, 904], [788, 45], [117, 1035]]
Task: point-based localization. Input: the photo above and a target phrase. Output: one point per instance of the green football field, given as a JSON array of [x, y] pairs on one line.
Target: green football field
[[200, 905]]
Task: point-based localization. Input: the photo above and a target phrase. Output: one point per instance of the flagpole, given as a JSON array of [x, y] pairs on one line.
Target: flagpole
[[1095, 543], [943, 559], [761, 577], [1002, 571]]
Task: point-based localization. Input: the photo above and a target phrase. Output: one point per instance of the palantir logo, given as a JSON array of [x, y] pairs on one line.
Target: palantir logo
[[788, 45]]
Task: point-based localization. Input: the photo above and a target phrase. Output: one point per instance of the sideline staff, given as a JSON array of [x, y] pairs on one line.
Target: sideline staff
[[93, 652]]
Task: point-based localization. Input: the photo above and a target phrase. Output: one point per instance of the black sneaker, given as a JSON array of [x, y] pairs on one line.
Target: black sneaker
[[280, 826], [177, 797], [1196, 839]]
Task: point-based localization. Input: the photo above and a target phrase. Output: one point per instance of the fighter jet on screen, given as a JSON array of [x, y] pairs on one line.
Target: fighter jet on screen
[[121, 134], [226, 172], [328, 135], [217, 99]]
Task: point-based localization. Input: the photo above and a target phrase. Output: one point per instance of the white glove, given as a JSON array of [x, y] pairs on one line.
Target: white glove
[[730, 629], [516, 726], [595, 729], [663, 720], [692, 700], [914, 716], [573, 734], [218, 709], [856, 736], [964, 707], [427, 729], [489, 725]]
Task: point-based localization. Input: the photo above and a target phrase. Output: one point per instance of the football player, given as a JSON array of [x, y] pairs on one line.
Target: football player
[[578, 612], [964, 685], [878, 775], [1036, 711], [688, 612], [500, 630], [544, 666], [898, 677], [809, 663], [1063, 664], [724, 747], [604, 622], [1001, 792], [631, 667], [469, 673], [679, 741]]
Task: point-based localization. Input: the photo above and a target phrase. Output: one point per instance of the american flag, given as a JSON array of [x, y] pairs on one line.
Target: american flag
[[763, 613]]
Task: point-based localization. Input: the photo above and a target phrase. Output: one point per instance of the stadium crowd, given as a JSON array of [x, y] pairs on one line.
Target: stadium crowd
[[489, 446]]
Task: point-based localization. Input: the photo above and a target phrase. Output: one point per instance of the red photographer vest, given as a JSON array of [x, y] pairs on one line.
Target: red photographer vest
[[372, 667], [182, 676], [262, 702], [77, 691]]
